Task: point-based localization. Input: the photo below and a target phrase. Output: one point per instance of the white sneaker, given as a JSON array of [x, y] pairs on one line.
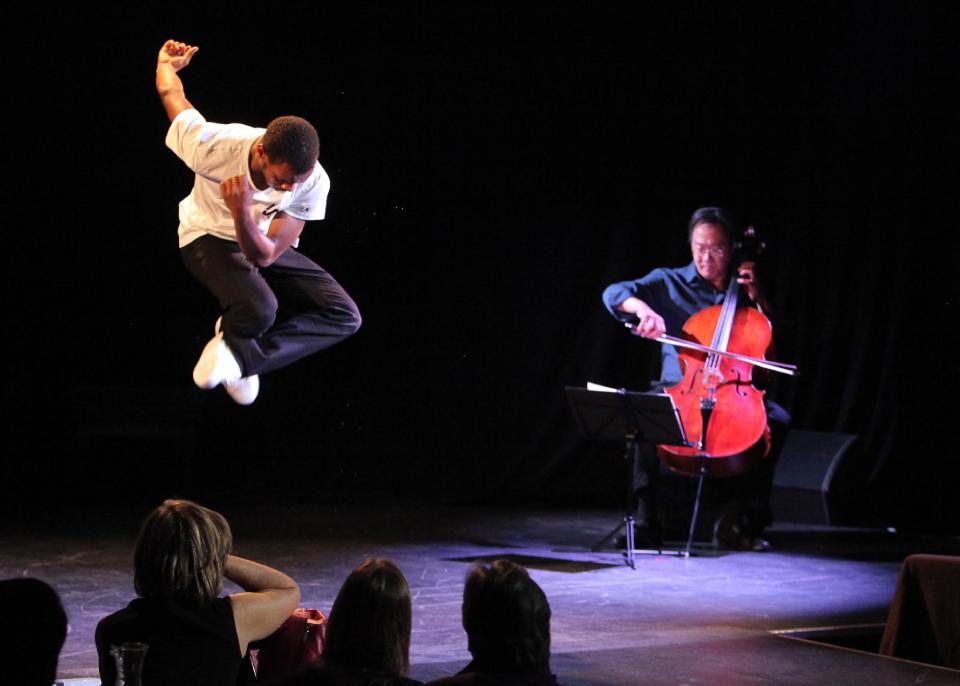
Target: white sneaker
[[245, 390], [216, 365]]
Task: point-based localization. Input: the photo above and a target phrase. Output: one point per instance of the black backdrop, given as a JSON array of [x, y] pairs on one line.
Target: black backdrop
[[493, 169]]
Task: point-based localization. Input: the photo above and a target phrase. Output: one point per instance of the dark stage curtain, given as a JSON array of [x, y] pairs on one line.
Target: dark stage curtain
[[493, 170]]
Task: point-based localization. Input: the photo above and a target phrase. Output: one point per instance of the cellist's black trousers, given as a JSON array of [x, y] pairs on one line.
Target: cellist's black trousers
[[743, 501]]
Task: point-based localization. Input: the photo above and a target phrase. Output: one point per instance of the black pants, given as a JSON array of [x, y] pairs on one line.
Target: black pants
[[746, 496], [276, 315]]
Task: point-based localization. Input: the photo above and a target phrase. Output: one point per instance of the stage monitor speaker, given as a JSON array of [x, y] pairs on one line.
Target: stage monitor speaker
[[804, 475]]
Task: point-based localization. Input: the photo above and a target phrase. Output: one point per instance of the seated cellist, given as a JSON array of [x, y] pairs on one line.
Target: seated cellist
[[661, 302]]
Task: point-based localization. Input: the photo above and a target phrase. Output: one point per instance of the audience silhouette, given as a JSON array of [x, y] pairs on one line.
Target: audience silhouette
[[183, 554], [368, 632], [507, 619], [34, 629]]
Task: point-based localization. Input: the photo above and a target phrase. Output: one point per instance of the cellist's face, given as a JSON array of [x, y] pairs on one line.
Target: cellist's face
[[711, 251]]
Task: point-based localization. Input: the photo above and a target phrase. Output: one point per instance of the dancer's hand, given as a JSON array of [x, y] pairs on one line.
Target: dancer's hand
[[176, 54], [235, 192]]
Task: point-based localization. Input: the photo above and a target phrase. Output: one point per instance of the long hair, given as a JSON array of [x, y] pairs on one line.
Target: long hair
[[369, 627], [507, 618], [181, 553]]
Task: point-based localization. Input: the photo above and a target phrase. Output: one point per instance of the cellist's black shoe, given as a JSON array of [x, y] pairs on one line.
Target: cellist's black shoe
[[734, 538]]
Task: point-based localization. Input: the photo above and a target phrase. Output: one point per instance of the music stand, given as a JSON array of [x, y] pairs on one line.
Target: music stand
[[621, 415]]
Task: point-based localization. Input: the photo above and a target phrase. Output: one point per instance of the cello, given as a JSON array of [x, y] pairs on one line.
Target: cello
[[721, 411]]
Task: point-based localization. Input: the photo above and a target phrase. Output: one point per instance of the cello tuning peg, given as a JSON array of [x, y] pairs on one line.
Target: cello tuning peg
[[749, 243]]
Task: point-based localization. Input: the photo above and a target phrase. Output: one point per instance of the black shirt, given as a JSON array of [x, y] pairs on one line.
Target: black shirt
[[187, 646]]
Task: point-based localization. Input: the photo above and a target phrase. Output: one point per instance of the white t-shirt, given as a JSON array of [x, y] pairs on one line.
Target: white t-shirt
[[218, 151]]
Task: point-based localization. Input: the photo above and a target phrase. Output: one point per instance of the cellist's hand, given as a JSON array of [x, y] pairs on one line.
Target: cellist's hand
[[649, 324], [747, 277]]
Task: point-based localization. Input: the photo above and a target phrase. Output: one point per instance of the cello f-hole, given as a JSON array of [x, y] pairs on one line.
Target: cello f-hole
[[741, 386]]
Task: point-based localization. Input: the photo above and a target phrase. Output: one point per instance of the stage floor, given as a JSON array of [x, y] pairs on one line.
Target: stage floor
[[711, 618]]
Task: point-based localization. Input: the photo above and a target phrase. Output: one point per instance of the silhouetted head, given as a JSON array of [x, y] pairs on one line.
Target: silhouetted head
[[369, 626], [35, 627], [507, 619], [181, 553]]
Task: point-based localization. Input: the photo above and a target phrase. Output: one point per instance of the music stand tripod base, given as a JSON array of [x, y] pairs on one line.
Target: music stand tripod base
[[634, 418]]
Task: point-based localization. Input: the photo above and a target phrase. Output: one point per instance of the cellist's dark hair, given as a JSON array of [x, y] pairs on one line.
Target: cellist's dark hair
[[713, 215]]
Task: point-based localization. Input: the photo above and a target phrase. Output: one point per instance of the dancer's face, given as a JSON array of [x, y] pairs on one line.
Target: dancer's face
[[280, 176], [276, 175]]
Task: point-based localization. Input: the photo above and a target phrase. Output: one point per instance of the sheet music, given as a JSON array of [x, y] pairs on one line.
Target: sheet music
[[597, 387]]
